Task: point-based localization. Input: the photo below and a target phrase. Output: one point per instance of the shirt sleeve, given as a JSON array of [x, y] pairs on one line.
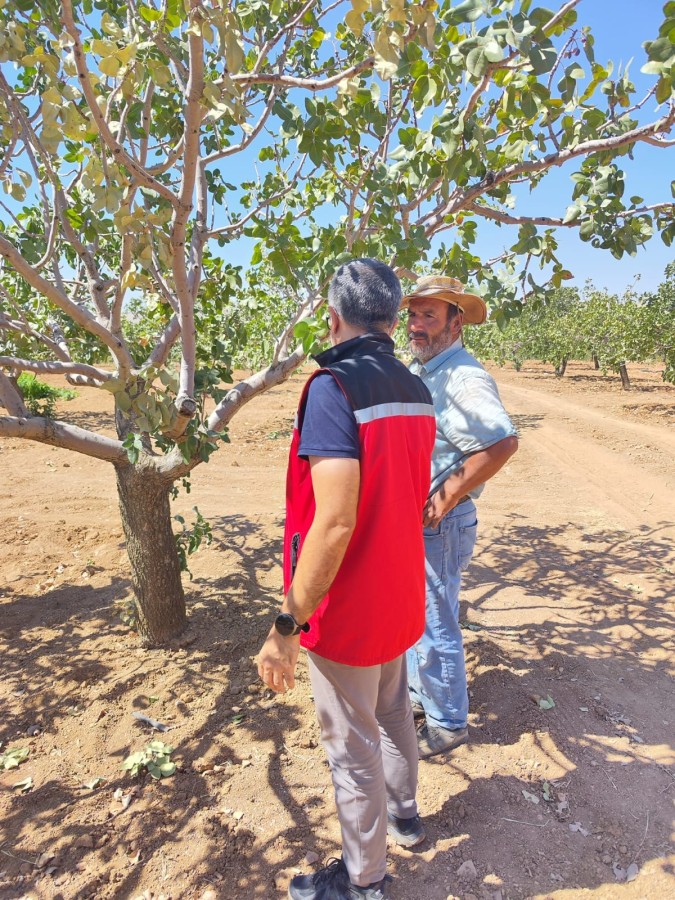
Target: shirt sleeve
[[329, 426], [473, 417]]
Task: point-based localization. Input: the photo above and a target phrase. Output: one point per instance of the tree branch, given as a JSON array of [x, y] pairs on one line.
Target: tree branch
[[193, 113], [307, 84], [11, 399], [246, 390], [60, 434], [164, 345], [33, 145], [488, 212], [562, 12], [462, 199], [55, 368], [77, 313], [118, 151], [23, 327]]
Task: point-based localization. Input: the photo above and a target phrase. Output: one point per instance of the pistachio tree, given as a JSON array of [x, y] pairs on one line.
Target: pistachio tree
[[157, 154]]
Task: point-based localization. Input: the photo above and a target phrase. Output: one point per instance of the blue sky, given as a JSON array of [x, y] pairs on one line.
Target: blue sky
[[619, 27]]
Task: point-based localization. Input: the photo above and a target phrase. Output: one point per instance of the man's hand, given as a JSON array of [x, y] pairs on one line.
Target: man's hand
[[476, 469], [434, 510], [277, 661]]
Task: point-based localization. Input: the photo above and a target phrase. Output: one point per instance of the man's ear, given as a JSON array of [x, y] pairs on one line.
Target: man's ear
[[391, 330], [334, 319], [457, 324]]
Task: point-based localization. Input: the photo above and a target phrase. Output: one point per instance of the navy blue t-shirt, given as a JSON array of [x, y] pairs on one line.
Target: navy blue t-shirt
[[329, 427]]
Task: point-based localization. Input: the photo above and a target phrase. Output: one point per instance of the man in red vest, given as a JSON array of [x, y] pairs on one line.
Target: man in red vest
[[358, 477]]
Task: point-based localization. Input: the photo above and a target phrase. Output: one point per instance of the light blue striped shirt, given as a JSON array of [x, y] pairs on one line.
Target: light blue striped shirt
[[469, 413]]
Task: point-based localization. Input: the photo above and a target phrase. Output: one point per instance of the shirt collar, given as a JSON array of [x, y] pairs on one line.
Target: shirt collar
[[437, 361], [372, 342]]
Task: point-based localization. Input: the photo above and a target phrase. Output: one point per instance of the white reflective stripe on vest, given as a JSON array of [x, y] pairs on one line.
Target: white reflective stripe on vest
[[387, 410]]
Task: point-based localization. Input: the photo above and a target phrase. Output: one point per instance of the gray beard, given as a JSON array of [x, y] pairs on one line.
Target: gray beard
[[440, 343]]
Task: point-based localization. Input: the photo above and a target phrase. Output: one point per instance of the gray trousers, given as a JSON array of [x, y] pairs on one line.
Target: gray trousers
[[368, 733]]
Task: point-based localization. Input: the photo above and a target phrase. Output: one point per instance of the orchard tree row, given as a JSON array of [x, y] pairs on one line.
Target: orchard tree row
[[590, 324]]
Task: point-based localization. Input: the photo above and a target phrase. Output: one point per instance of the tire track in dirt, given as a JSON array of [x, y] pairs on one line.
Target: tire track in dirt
[[589, 450]]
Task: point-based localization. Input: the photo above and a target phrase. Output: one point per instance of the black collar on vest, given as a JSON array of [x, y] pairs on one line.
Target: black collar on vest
[[362, 345]]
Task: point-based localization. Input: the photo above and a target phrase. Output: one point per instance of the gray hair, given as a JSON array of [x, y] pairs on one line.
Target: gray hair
[[366, 293]]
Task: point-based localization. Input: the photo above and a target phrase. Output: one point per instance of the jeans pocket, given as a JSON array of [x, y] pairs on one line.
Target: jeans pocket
[[467, 542], [434, 554]]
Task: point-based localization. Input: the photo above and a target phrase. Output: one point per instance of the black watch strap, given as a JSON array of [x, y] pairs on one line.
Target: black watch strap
[[287, 625]]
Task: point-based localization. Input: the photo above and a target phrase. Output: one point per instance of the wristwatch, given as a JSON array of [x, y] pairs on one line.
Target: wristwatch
[[286, 625]]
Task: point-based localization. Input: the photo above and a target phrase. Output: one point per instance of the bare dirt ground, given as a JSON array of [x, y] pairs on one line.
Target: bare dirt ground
[[569, 597]]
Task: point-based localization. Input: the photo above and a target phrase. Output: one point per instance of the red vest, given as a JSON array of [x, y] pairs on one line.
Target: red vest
[[374, 610]]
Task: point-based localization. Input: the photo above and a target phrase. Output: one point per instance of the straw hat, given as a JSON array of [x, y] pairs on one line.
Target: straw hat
[[451, 290]]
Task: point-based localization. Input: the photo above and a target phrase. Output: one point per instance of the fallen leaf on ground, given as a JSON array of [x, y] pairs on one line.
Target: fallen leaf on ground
[[24, 785], [153, 723], [632, 872], [94, 783], [619, 873]]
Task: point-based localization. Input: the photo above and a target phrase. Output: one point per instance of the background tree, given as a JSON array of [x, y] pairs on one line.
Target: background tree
[[611, 330], [661, 307], [361, 128]]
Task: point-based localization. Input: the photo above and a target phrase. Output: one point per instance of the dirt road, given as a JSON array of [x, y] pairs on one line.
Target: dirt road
[[566, 788]]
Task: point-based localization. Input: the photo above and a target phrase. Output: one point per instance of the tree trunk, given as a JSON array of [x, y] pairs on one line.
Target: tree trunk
[[596, 362], [562, 365], [155, 567], [625, 380]]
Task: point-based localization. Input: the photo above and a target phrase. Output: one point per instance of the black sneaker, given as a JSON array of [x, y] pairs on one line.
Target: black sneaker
[[406, 832], [332, 883], [432, 740]]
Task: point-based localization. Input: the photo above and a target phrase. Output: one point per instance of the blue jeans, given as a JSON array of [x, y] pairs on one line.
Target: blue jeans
[[436, 666]]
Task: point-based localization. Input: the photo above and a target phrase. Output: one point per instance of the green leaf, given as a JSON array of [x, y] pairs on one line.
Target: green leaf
[[94, 783], [547, 703], [150, 14], [664, 89], [542, 58], [572, 214], [477, 62], [12, 759], [661, 50], [529, 105], [109, 65], [469, 11]]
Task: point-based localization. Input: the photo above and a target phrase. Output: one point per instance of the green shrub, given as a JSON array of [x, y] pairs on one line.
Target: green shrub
[[40, 398]]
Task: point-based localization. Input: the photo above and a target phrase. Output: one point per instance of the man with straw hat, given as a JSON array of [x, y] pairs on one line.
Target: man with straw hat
[[474, 438]]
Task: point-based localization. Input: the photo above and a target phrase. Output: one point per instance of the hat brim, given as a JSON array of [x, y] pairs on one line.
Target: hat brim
[[473, 306]]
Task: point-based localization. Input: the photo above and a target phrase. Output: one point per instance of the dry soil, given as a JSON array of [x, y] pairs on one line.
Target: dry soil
[[569, 601]]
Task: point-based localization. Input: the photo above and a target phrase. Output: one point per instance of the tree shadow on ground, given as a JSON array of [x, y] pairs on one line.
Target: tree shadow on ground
[[102, 422], [525, 422], [603, 659], [598, 657], [94, 840]]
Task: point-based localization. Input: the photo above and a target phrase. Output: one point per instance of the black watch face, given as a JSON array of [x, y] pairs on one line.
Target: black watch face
[[285, 624]]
